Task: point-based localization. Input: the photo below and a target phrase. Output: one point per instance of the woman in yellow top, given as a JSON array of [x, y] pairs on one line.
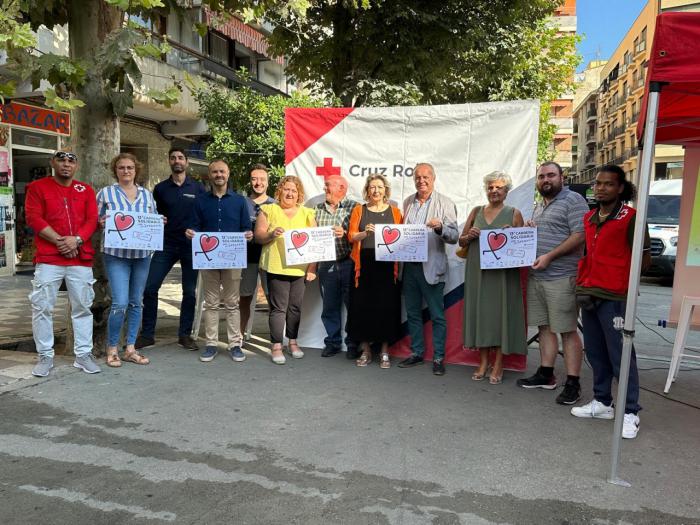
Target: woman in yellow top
[[285, 283]]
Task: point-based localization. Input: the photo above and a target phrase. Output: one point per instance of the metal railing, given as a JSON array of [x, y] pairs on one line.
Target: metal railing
[[195, 63]]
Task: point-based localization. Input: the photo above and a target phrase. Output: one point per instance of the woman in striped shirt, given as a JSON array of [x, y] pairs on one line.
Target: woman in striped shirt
[[127, 269]]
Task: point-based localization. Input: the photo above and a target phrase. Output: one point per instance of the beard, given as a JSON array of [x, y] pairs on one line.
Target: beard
[[177, 168]]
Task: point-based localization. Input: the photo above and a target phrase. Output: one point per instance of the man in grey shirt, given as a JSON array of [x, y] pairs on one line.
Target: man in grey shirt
[[551, 289]]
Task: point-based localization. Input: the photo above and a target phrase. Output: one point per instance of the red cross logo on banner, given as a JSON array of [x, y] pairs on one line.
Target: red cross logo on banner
[[327, 170]]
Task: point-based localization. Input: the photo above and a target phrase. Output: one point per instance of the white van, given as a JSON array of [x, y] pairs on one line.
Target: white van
[[663, 216]]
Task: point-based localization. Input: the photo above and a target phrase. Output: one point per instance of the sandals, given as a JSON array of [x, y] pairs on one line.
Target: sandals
[[295, 351], [136, 358], [384, 361], [113, 359], [278, 359], [478, 376], [365, 358], [496, 379]]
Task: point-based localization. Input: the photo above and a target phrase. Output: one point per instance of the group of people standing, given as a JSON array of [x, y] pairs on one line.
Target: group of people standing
[[64, 213]]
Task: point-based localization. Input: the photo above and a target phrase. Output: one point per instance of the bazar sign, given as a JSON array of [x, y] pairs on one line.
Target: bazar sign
[[35, 117]]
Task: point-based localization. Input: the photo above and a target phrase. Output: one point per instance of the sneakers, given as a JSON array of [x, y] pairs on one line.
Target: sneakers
[[236, 354], [43, 367], [188, 342], [143, 341], [87, 364], [571, 393], [438, 368], [209, 354], [596, 409], [538, 380], [630, 426], [411, 361]]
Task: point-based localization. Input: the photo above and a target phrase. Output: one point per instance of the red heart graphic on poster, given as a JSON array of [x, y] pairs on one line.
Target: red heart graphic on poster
[[390, 235], [299, 239], [208, 243], [123, 222], [496, 240]]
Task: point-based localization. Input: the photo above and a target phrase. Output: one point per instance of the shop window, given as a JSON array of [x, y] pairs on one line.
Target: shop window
[[22, 137]]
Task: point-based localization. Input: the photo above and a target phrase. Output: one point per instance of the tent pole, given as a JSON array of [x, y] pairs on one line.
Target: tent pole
[[646, 156]]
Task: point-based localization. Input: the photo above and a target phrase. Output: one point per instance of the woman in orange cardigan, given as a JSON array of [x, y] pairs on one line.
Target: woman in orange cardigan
[[374, 315]]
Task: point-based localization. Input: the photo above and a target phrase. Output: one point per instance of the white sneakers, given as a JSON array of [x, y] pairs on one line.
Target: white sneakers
[[596, 409], [630, 426]]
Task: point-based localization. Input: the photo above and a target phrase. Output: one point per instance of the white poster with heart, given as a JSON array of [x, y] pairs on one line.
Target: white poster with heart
[[134, 230], [219, 250], [507, 248], [401, 242], [307, 245]]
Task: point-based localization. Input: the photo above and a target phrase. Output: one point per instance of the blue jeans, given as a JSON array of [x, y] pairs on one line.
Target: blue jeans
[[603, 345], [161, 264], [335, 279], [415, 290], [127, 280]]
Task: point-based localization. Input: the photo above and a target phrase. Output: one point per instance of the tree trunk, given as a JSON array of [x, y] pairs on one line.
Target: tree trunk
[[95, 136]]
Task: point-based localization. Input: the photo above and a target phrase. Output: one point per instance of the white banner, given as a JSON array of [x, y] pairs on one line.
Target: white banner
[[463, 142], [219, 250], [401, 242], [307, 245], [134, 230], [507, 248]]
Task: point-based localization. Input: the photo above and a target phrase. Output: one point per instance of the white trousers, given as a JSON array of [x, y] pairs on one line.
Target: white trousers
[[47, 281]]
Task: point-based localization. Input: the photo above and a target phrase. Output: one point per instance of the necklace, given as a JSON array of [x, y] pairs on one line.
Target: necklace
[[603, 215]]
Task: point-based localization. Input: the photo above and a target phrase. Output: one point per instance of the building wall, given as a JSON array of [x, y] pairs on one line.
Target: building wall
[[562, 109], [150, 147], [622, 89]]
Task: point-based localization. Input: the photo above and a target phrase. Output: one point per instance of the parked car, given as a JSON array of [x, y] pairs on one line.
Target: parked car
[[663, 217]]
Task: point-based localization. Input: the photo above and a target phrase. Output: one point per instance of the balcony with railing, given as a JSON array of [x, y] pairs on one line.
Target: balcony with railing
[[640, 48], [195, 63], [638, 83]]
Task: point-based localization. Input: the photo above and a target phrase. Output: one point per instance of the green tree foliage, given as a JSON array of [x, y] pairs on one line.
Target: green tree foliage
[[380, 52], [247, 127]]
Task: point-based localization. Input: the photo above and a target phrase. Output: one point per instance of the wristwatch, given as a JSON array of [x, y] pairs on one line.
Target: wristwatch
[[79, 240]]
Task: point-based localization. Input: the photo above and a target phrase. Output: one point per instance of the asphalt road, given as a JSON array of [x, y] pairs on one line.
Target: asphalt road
[[320, 441]]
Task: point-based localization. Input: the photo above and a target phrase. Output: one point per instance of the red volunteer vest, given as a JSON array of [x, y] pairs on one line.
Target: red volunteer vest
[[608, 256]]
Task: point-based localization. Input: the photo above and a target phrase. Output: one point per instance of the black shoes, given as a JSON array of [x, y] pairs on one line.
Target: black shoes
[[411, 361], [438, 368], [329, 351], [352, 353], [188, 342], [144, 342], [538, 380], [571, 393]]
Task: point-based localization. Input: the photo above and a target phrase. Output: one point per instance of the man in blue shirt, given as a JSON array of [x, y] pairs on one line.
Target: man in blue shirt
[[221, 210], [174, 197]]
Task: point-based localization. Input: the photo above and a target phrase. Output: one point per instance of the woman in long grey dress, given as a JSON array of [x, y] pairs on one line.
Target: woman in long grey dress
[[494, 312]]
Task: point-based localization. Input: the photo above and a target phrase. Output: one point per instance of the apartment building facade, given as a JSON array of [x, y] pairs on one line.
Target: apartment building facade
[[619, 101], [562, 109]]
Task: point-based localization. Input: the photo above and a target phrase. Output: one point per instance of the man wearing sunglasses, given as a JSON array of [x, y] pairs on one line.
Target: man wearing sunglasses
[[63, 214]]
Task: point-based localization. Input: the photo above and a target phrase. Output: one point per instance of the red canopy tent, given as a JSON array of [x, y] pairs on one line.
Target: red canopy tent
[[675, 63], [670, 114]]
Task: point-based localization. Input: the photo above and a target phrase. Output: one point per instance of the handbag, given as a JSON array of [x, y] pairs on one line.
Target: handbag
[[462, 250]]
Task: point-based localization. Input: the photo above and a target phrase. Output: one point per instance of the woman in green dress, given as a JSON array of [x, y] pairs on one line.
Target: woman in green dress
[[494, 312]]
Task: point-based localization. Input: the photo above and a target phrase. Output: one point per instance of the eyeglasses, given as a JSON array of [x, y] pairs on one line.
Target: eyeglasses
[[64, 155]]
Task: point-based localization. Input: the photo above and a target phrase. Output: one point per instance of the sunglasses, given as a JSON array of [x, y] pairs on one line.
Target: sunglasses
[[64, 155]]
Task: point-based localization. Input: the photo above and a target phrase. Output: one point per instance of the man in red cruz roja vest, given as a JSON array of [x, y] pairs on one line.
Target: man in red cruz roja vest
[[63, 214], [601, 291]]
